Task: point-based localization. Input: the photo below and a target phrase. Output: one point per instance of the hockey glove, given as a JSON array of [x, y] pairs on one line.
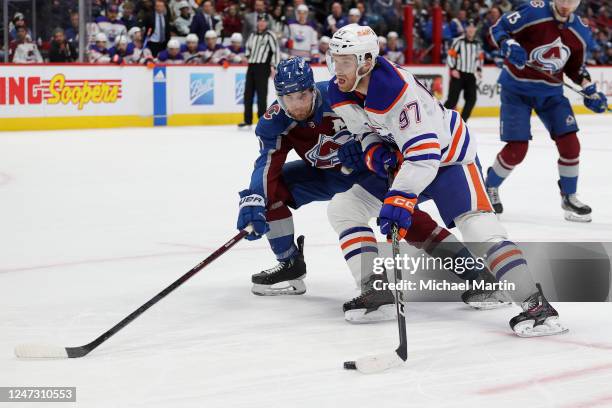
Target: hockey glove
[[515, 53], [350, 155], [379, 159], [597, 102], [397, 209], [252, 210]]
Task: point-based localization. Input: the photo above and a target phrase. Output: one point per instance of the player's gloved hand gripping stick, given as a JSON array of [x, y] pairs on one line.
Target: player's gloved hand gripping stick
[[595, 101], [49, 351]]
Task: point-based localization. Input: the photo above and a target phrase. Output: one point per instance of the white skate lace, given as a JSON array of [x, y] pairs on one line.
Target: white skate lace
[[275, 269]]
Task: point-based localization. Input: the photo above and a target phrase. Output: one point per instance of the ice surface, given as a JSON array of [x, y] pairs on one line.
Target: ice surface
[[93, 223]]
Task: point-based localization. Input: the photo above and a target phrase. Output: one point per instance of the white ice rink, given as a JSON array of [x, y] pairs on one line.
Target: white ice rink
[[93, 223]]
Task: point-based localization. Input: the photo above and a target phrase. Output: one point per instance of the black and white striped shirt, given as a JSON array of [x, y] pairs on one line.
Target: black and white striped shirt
[[262, 48], [465, 56]]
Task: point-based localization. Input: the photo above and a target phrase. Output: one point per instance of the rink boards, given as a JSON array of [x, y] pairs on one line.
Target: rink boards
[[56, 96]]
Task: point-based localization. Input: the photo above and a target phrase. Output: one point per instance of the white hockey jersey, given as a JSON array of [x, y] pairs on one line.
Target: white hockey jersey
[[399, 111], [304, 41]]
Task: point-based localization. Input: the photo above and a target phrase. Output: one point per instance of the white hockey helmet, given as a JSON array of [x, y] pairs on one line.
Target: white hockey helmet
[[133, 31], [192, 38], [236, 38], [101, 37], [174, 44], [353, 39], [210, 34], [122, 39]]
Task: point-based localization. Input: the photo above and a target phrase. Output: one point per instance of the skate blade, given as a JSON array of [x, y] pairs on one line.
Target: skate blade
[[488, 305], [550, 327], [292, 287], [382, 314], [573, 217]]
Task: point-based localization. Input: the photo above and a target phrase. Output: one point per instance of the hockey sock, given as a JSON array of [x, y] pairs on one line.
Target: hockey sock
[[281, 233], [359, 247], [506, 262], [569, 152], [506, 160]]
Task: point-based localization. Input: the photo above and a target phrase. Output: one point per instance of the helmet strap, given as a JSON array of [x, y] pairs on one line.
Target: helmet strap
[[360, 76]]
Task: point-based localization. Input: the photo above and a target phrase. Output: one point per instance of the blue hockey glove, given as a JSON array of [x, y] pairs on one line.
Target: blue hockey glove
[[597, 102], [379, 159], [397, 209], [252, 210], [350, 155], [515, 53]]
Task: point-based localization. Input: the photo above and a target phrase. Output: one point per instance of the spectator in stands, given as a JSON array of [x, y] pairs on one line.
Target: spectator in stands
[[250, 20], [192, 51], [174, 6], [278, 24], [323, 47], [182, 23], [387, 10], [602, 20], [382, 46], [72, 32], [172, 54], [232, 22], [18, 21], [458, 24], [354, 16], [110, 24], [98, 51], [121, 52], [235, 51], [490, 51], [364, 19], [213, 51], [128, 18], [303, 41], [335, 20], [61, 49], [394, 52], [51, 15], [22, 50], [205, 20], [140, 54], [157, 27]]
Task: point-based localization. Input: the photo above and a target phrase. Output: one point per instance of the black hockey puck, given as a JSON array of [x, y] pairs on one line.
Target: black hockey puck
[[350, 365]]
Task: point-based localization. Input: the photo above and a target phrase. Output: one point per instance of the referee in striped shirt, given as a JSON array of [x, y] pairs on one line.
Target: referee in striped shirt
[[465, 59], [263, 54]]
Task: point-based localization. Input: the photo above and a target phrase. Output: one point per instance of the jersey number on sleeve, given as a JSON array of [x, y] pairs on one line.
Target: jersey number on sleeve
[[513, 18], [404, 117]]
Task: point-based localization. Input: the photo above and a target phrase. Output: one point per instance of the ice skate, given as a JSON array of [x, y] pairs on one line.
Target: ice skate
[[286, 278]]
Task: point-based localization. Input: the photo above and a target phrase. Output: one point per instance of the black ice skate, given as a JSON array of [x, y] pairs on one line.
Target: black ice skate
[[483, 299], [493, 193], [286, 278], [372, 305], [575, 210], [538, 318]]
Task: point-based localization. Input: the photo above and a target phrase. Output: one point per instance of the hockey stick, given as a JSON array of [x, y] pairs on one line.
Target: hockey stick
[[381, 362], [557, 80], [49, 351]]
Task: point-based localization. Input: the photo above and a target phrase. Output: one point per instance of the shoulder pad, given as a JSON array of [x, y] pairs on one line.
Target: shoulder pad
[[273, 122], [386, 87]]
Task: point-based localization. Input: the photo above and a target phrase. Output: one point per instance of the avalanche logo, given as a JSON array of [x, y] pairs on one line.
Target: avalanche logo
[[324, 155], [202, 89], [551, 57]]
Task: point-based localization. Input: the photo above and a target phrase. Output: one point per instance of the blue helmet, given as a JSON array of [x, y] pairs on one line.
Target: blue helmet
[[293, 75]]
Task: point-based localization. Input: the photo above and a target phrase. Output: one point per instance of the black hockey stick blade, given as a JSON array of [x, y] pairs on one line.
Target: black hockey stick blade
[[48, 351]]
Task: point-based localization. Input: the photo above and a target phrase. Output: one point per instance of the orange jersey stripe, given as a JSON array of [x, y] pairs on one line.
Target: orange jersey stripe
[[503, 256], [424, 146], [356, 240], [456, 138], [343, 103], [482, 201]]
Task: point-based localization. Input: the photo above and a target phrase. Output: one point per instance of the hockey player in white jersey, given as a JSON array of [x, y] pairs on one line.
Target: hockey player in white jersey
[[437, 161]]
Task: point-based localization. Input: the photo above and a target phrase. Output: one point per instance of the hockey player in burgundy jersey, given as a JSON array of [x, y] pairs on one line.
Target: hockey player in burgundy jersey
[[302, 120], [546, 35], [436, 158]]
